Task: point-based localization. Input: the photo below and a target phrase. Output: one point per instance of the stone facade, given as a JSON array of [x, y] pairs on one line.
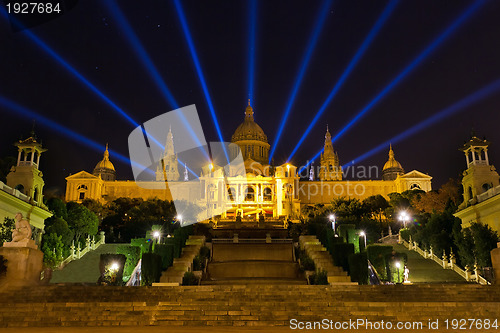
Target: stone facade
[[268, 190]]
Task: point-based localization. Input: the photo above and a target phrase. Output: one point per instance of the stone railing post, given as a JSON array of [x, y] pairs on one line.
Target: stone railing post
[[410, 244], [92, 243], [78, 252], [87, 242], [445, 260], [476, 272], [72, 250], [235, 238], [453, 260], [430, 252], [467, 273], [103, 237]]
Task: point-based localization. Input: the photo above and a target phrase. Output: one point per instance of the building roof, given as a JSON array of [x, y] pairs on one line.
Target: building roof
[[392, 163], [249, 129]]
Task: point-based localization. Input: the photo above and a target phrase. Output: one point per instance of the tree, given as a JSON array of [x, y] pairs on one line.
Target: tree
[[81, 220], [6, 230], [59, 227], [448, 194], [52, 248], [376, 205], [58, 208]]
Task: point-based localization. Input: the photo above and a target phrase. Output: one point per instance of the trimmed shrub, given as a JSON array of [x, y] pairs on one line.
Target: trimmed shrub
[[150, 268], [319, 277], [142, 243], [358, 267], [391, 266], [189, 279], [166, 252], [111, 266], [405, 234], [343, 231], [205, 252], [340, 255], [132, 254], [377, 255]]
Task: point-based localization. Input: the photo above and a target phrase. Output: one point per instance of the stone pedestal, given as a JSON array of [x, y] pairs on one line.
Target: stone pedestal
[[495, 260], [24, 265]]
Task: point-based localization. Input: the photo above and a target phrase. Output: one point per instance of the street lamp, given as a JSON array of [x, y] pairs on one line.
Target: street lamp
[[179, 218], [403, 216], [331, 217], [398, 266], [362, 233], [157, 235]]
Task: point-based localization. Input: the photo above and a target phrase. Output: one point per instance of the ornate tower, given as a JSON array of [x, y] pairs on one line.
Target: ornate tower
[[25, 176], [330, 166], [392, 168], [251, 139], [480, 176], [105, 169], [167, 169]]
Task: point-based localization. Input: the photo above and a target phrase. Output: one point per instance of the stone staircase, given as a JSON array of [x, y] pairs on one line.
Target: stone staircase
[[276, 305], [323, 260], [257, 262]]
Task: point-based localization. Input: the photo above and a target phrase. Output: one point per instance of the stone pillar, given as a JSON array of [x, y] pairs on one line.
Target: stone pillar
[[495, 259], [102, 240], [72, 250]]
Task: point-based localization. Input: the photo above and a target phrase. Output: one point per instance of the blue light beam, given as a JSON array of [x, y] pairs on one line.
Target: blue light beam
[[71, 70], [147, 62], [437, 117], [438, 41], [362, 49], [30, 114], [194, 56], [251, 46], [323, 13]]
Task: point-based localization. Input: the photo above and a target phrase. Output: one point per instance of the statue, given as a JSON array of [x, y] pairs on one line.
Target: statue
[[22, 230], [406, 274]]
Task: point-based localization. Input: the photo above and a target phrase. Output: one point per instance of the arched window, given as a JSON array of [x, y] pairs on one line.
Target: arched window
[[470, 192], [36, 193], [415, 187], [82, 187], [486, 187], [249, 194], [20, 188], [268, 194], [231, 191]]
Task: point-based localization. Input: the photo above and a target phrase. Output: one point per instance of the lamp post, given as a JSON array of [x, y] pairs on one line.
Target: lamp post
[[363, 234], [403, 216], [331, 217], [157, 235], [398, 266]]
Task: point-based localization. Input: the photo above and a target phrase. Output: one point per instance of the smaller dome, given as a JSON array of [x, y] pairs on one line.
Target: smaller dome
[[249, 129], [105, 163], [392, 163]]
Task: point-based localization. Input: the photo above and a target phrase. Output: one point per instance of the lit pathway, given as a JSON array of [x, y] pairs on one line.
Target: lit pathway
[[427, 270], [84, 270]]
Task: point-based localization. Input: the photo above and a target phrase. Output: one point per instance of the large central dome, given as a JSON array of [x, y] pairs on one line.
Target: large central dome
[[251, 139], [249, 129]]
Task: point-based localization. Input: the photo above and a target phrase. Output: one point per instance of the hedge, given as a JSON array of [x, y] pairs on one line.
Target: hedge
[[377, 255], [166, 252], [341, 252], [358, 267], [132, 254], [150, 268], [391, 268]]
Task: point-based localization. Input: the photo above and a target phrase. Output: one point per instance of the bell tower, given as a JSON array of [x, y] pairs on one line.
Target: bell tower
[[25, 176], [330, 166], [167, 169], [480, 175]]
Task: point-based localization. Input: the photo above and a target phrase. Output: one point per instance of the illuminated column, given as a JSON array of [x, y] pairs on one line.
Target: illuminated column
[[467, 157], [486, 156], [473, 155], [19, 157], [279, 198], [32, 156], [38, 160]]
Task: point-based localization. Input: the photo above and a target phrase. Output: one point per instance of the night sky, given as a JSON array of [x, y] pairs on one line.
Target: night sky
[[91, 40]]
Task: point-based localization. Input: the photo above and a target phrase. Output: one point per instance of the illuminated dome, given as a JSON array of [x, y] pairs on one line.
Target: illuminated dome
[[249, 129], [392, 168], [105, 168], [251, 139]]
